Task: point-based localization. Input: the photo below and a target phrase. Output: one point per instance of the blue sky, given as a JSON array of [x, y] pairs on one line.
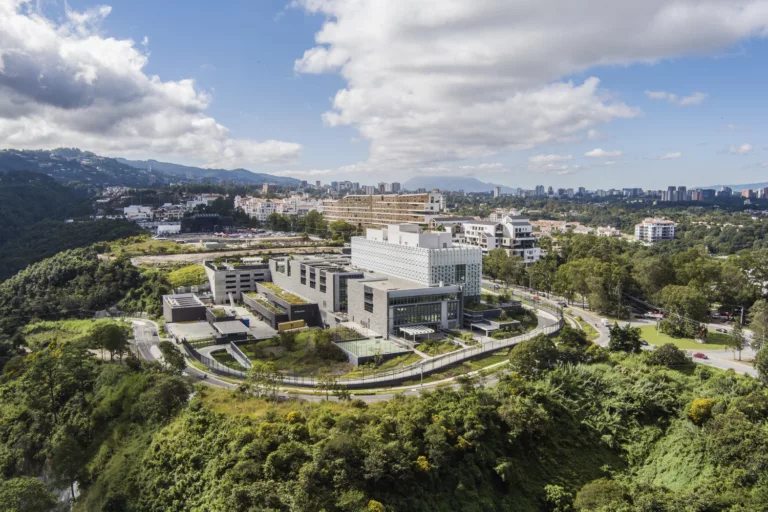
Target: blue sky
[[501, 91]]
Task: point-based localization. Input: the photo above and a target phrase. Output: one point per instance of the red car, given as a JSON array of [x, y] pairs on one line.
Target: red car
[[700, 355]]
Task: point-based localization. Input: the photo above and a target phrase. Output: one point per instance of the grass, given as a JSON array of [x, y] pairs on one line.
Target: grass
[[396, 362], [223, 357], [438, 347], [232, 404], [144, 245], [300, 360], [715, 340], [286, 296], [62, 331], [219, 313], [189, 275], [264, 302]]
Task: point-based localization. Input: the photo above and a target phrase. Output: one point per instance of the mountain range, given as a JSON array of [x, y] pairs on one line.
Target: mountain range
[[739, 188], [73, 165], [453, 183]]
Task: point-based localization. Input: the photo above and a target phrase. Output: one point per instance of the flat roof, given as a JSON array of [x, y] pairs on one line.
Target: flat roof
[[417, 330], [371, 347], [230, 327], [183, 300]]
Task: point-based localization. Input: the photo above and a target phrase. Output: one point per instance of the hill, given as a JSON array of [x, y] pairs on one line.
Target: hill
[[67, 165], [185, 172], [739, 188], [452, 183]]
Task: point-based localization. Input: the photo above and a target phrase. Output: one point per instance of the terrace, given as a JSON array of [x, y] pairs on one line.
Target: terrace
[[264, 302], [288, 297]]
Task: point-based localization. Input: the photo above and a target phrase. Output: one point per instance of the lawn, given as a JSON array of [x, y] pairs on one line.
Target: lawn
[[144, 245], [64, 331], [715, 340], [300, 360], [396, 362]]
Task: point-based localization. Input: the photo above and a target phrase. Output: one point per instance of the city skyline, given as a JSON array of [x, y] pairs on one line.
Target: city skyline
[[323, 90]]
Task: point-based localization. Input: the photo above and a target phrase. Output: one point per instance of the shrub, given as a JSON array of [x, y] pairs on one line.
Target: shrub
[[597, 494], [668, 355], [701, 410]]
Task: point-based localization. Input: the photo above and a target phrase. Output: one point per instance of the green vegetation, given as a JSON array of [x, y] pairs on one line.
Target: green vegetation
[[282, 294], [144, 245], [436, 347], [223, 357], [190, 275], [714, 340], [305, 353], [218, 313], [390, 364], [264, 302]]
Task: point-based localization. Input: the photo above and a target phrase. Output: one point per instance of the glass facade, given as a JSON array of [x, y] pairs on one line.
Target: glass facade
[[419, 299], [461, 273], [416, 314]]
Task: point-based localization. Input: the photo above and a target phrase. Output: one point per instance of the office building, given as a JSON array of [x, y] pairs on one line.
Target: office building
[[655, 230], [496, 192], [381, 210], [514, 234], [395, 187], [230, 280], [539, 191]]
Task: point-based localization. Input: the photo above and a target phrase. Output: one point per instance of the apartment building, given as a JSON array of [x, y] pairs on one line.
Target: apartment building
[[513, 234], [654, 230], [384, 209]]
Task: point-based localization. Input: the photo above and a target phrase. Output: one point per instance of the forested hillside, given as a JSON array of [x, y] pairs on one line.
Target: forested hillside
[[574, 429], [34, 208]]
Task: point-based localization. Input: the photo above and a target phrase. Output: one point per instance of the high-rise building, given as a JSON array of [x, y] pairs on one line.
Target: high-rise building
[[496, 192], [380, 210], [318, 184], [550, 191], [395, 187], [682, 194], [382, 188], [654, 230], [582, 191], [539, 190], [335, 185]]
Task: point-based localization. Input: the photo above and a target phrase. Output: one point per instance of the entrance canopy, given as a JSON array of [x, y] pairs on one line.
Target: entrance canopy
[[417, 330]]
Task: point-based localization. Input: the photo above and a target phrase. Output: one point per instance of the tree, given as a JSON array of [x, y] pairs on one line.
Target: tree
[[701, 410], [287, 340], [758, 323], [173, 359], [160, 402], [735, 340], [597, 494], [534, 356], [26, 494], [111, 337], [67, 458], [624, 339], [761, 364], [668, 355], [685, 301], [263, 380]]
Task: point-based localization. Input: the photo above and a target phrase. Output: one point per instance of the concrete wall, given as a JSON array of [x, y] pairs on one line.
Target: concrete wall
[[377, 321], [236, 281]]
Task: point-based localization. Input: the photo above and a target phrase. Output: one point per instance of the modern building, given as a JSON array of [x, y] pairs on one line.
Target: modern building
[[426, 258], [233, 279], [383, 209], [655, 230], [496, 192], [281, 308], [514, 234], [183, 307]]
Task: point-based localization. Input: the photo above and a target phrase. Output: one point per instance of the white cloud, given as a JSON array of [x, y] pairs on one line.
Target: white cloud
[[693, 99], [740, 150], [593, 134], [551, 164], [669, 156], [67, 84], [429, 82], [609, 162], [601, 153]]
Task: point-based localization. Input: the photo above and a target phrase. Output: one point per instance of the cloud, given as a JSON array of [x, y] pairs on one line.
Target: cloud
[[601, 153], [669, 156], [472, 79], [740, 150], [64, 83], [693, 99], [610, 162], [593, 134], [551, 164]]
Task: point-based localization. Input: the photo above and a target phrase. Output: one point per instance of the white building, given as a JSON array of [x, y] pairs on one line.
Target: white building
[[514, 234], [428, 258], [654, 230], [608, 231], [137, 212]]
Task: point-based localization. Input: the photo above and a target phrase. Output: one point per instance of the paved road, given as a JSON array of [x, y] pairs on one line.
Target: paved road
[[146, 339]]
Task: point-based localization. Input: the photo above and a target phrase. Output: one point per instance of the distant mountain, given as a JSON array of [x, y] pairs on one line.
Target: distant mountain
[[743, 186], [73, 165], [452, 183], [184, 172]]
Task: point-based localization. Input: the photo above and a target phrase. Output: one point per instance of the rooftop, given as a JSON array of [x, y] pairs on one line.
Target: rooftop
[[183, 300], [231, 327]]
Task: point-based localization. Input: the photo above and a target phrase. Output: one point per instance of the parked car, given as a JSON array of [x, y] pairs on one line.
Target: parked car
[[644, 343], [700, 355], [720, 329], [562, 304]]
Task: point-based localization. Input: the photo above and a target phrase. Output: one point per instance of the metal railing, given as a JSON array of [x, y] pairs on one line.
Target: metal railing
[[405, 373]]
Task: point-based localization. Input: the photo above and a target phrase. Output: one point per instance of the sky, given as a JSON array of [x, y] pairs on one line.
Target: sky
[[597, 93]]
